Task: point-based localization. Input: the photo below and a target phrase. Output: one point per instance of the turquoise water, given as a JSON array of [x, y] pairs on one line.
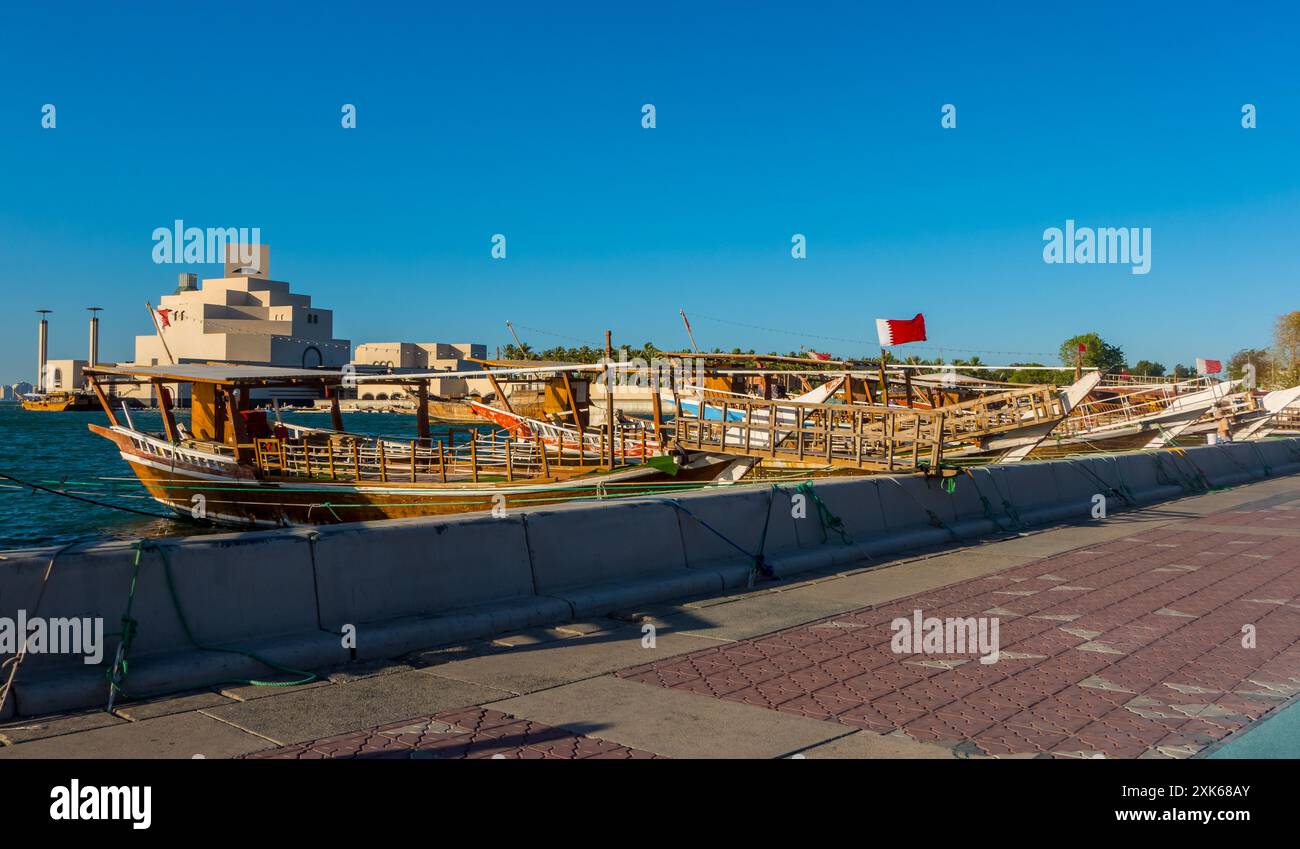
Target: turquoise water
[[57, 450]]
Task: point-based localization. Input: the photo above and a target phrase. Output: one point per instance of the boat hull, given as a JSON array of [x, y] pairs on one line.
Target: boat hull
[[233, 494], [71, 403]]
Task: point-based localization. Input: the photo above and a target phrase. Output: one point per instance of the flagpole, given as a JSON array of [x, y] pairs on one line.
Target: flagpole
[[884, 382], [154, 315], [687, 322]]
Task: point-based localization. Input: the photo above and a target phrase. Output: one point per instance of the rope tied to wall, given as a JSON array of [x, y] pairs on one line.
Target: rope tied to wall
[[119, 671], [829, 521]]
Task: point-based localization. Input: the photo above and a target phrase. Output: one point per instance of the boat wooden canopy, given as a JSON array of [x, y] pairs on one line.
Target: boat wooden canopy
[[224, 374]]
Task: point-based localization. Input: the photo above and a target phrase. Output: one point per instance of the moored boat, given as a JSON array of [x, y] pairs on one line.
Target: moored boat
[[234, 465], [60, 402]]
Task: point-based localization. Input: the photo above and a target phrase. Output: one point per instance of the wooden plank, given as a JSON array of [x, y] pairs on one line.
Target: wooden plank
[[421, 416], [165, 407], [103, 400]]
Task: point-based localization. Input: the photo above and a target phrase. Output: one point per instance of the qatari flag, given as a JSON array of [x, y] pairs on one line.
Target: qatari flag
[[896, 331], [818, 355], [1208, 366]]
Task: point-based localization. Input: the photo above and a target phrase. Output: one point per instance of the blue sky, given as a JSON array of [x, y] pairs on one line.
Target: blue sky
[[772, 119]]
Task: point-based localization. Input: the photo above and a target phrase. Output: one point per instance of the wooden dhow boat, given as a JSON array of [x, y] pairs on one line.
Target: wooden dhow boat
[[60, 402], [234, 465]]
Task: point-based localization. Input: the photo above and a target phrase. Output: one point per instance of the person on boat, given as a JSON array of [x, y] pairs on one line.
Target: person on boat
[[1223, 426]]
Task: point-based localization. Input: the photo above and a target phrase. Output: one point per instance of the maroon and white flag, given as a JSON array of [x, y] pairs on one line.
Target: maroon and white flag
[[1208, 366], [896, 331], [818, 355]]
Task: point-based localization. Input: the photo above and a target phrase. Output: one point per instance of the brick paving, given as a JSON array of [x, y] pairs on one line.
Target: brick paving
[[473, 732], [1132, 648]]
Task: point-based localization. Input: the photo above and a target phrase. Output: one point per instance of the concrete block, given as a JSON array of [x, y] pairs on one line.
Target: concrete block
[[410, 567], [738, 514], [397, 637], [157, 673], [600, 599], [596, 544], [230, 587], [1031, 489], [856, 501]]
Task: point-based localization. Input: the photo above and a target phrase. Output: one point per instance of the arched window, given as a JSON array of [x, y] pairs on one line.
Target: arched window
[[58, 378]]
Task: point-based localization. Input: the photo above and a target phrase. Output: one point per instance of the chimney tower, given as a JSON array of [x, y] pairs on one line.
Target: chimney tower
[[94, 334], [42, 348]]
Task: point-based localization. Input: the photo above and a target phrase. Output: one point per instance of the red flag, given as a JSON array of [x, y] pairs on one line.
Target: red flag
[[817, 355], [1208, 366], [1083, 347], [162, 314], [897, 331]]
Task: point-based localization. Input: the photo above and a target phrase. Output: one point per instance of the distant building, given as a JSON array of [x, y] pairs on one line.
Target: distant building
[[243, 317], [399, 357], [63, 375], [15, 391]]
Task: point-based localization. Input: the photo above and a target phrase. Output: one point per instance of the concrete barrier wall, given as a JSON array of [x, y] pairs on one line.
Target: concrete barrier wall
[[410, 583]]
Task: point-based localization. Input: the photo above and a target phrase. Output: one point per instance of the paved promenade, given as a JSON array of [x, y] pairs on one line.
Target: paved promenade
[[1151, 634]]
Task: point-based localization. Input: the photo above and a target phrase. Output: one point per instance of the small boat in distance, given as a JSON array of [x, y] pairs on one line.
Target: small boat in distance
[[60, 402]]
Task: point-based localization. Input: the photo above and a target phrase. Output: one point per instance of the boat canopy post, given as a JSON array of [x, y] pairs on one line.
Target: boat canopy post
[[501, 396], [103, 399], [336, 414], [165, 407], [422, 412], [237, 428]]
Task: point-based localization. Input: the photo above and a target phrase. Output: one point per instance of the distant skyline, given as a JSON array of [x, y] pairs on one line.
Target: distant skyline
[[772, 120]]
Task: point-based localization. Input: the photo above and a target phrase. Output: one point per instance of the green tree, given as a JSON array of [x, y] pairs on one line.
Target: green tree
[[1034, 373], [1099, 354], [1147, 368], [1286, 343], [1260, 359]]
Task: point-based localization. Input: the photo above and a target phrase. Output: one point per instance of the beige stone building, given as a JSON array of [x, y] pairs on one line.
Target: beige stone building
[[63, 375], [241, 317], [417, 357]]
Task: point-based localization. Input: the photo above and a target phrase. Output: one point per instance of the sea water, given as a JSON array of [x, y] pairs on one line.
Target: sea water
[[57, 450]]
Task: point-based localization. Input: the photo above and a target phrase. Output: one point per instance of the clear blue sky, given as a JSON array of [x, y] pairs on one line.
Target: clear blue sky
[[522, 119]]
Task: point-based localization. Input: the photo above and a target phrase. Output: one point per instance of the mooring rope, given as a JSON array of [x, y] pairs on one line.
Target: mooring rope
[[74, 497], [17, 659], [120, 668]]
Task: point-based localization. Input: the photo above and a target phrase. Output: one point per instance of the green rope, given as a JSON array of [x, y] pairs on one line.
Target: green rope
[[1010, 509], [935, 521], [1268, 470], [120, 669], [1122, 491], [829, 521]]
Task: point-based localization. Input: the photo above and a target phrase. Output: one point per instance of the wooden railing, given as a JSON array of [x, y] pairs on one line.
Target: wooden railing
[[860, 436], [461, 455], [338, 457]]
